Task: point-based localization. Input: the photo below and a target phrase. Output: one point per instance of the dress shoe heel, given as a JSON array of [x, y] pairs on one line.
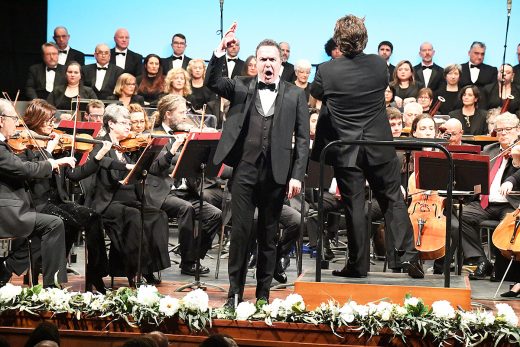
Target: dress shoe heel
[[346, 272], [414, 269], [510, 294]]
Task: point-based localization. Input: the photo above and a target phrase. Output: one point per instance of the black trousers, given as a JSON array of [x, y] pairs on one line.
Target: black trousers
[[254, 187], [384, 180]]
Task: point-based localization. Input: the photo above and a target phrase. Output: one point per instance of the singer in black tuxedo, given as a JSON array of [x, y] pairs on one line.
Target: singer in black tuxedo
[[75, 55], [352, 90], [133, 62], [488, 74], [257, 142], [288, 73], [167, 63], [35, 85], [436, 77], [109, 82], [237, 70]]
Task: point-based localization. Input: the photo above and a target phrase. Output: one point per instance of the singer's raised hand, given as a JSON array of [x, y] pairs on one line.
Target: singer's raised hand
[[229, 37]]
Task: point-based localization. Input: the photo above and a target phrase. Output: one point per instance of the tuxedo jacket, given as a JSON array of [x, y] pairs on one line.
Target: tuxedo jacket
[[511, 174], [436, 77], [352, 91], [75, 55], [35, 85], [167, 63], [288, 73], [237, 70], [88, 75], [516, 80], [291, 116], [391, 69], [487, 75], [17, 210], [133, 62]]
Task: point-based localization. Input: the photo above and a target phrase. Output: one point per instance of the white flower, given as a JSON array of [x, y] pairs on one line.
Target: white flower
[[275, 307], [347, 313], [169, 306], [401, 311], [97, 303], [411, 301], [147, 295], [468, 318], [8, 293], [294, 301], [362, 310], [196, 300], [487, 318], [245, 310], [443, 309], [507, 313], [87, 297]]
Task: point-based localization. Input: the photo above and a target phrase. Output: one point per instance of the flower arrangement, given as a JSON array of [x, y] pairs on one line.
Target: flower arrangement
[[147, 306]]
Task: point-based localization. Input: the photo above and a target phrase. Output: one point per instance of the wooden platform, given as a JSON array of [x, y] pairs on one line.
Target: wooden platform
[[382, 285]]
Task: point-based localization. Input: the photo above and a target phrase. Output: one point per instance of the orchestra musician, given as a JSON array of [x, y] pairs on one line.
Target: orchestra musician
[[120, 207], [19, 218], [50, 194]]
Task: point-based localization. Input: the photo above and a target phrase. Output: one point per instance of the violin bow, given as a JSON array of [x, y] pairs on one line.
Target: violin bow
[[202, 118], [75, 127]]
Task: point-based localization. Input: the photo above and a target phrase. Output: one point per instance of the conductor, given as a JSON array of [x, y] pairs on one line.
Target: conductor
[[352, 90], [256, 141]]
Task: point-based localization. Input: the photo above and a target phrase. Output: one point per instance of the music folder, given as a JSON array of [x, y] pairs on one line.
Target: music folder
[[145, 160], [198, 149]]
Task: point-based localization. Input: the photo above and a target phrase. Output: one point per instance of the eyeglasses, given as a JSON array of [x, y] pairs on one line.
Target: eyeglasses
[[423, 97], [12, 117], [49, 121], [130, 84], [507, 130], [124, 123]]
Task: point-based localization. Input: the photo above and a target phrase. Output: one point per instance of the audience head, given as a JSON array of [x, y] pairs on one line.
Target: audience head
[[350, 34], [233, 48], [302, 69], [426, 52], [46, 343], [219, 340], [171, 110], [197, 69], [122, 39], [143, 341], [268, 61], [403, 72], [332, 49], [138, 118], [385, 49], [476, 53], [395, 118], [125, 85], [423, 127], [102, 54], [506, 128], [505, 74], [95, 111], [453, 128], [177, 81], [152, 65], [425, 98], [44, 331], [469, 95], [411, 111], [179, 44], [73, 73], [50, 54], [8, 118], [389, 94], [250, 67], [452, 74], [160, 339], [314, 113], [491, 118], [286, 51], [61, 37], [116, 121], [39, 116]]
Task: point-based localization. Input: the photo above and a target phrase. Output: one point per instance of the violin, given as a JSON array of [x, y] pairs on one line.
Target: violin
[[428, 221], [506, 235], [22, 140], [84, 143], [134, 142]]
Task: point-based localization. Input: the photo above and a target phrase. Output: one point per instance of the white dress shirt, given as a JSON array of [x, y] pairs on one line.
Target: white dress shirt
[[62, 57], [100, 76], [121, 58]]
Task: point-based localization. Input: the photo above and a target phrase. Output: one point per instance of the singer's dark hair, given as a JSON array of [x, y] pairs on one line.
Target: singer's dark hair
[[350, 34], [475, 90], [478, 44], [269, 42], [330, 45], [179, 35]]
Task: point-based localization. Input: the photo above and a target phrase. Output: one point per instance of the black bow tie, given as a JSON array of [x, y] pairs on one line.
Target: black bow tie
[[427, 67], [471, 66], [175, 58], [262, 85], [63, 51], [102, 68], [122, 53], [51, 69], [232, 59]]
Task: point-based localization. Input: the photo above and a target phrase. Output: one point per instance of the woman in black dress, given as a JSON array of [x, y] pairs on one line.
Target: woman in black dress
[[151, 82], [495, 94], [404, 82], [200, 94], [449, 90], [473, 119], [62, 95], [126, 90], [302, 69]]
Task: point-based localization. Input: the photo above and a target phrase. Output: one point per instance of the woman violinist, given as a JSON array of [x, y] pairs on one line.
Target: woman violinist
[[50, 195], [120, 207]]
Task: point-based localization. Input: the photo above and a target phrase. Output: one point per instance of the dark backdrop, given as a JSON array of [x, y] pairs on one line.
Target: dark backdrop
[[23, 27]]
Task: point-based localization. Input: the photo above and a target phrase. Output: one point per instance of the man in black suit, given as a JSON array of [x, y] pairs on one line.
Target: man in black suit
[[233, 65], [352, 90], [18, 216], [256, 141], [427, 72], [287, 73], [101, 76], [516, 68], [503, 177], [121, 56], [66, 54], [177, 59], [385, 50], [475, 71], [43, 77]]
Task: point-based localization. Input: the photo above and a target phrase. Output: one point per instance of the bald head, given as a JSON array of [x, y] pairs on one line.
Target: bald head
[[454, 130], [102, 54], [122, 39]]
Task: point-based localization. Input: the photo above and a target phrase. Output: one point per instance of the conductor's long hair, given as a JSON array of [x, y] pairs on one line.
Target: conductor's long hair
[[350, 34]]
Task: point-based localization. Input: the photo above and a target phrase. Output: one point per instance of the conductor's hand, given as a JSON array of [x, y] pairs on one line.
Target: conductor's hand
[[295, 186], [228, 38], [505, 188]]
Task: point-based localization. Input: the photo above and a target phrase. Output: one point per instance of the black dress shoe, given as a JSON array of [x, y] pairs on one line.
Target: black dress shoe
[[190, 270], [97, 282], [5, 274], [328, 254], [397, 270], [151, 279], [414, 268], [285, 262], [484, 269], [510, 294], [346, 272], [131, 281], [280, 275], [230, 303]]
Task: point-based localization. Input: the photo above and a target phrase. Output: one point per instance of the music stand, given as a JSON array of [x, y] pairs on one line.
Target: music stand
[[196, 161], [139, 173], [471, 177], [90, 128]]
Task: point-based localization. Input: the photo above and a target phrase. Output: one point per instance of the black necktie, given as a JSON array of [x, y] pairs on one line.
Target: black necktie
[[175, 58], [232, 59], [427, 67], [262, 85], [122, 53], [102, 68], [51, 69], [63, 51], [471, 66]]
